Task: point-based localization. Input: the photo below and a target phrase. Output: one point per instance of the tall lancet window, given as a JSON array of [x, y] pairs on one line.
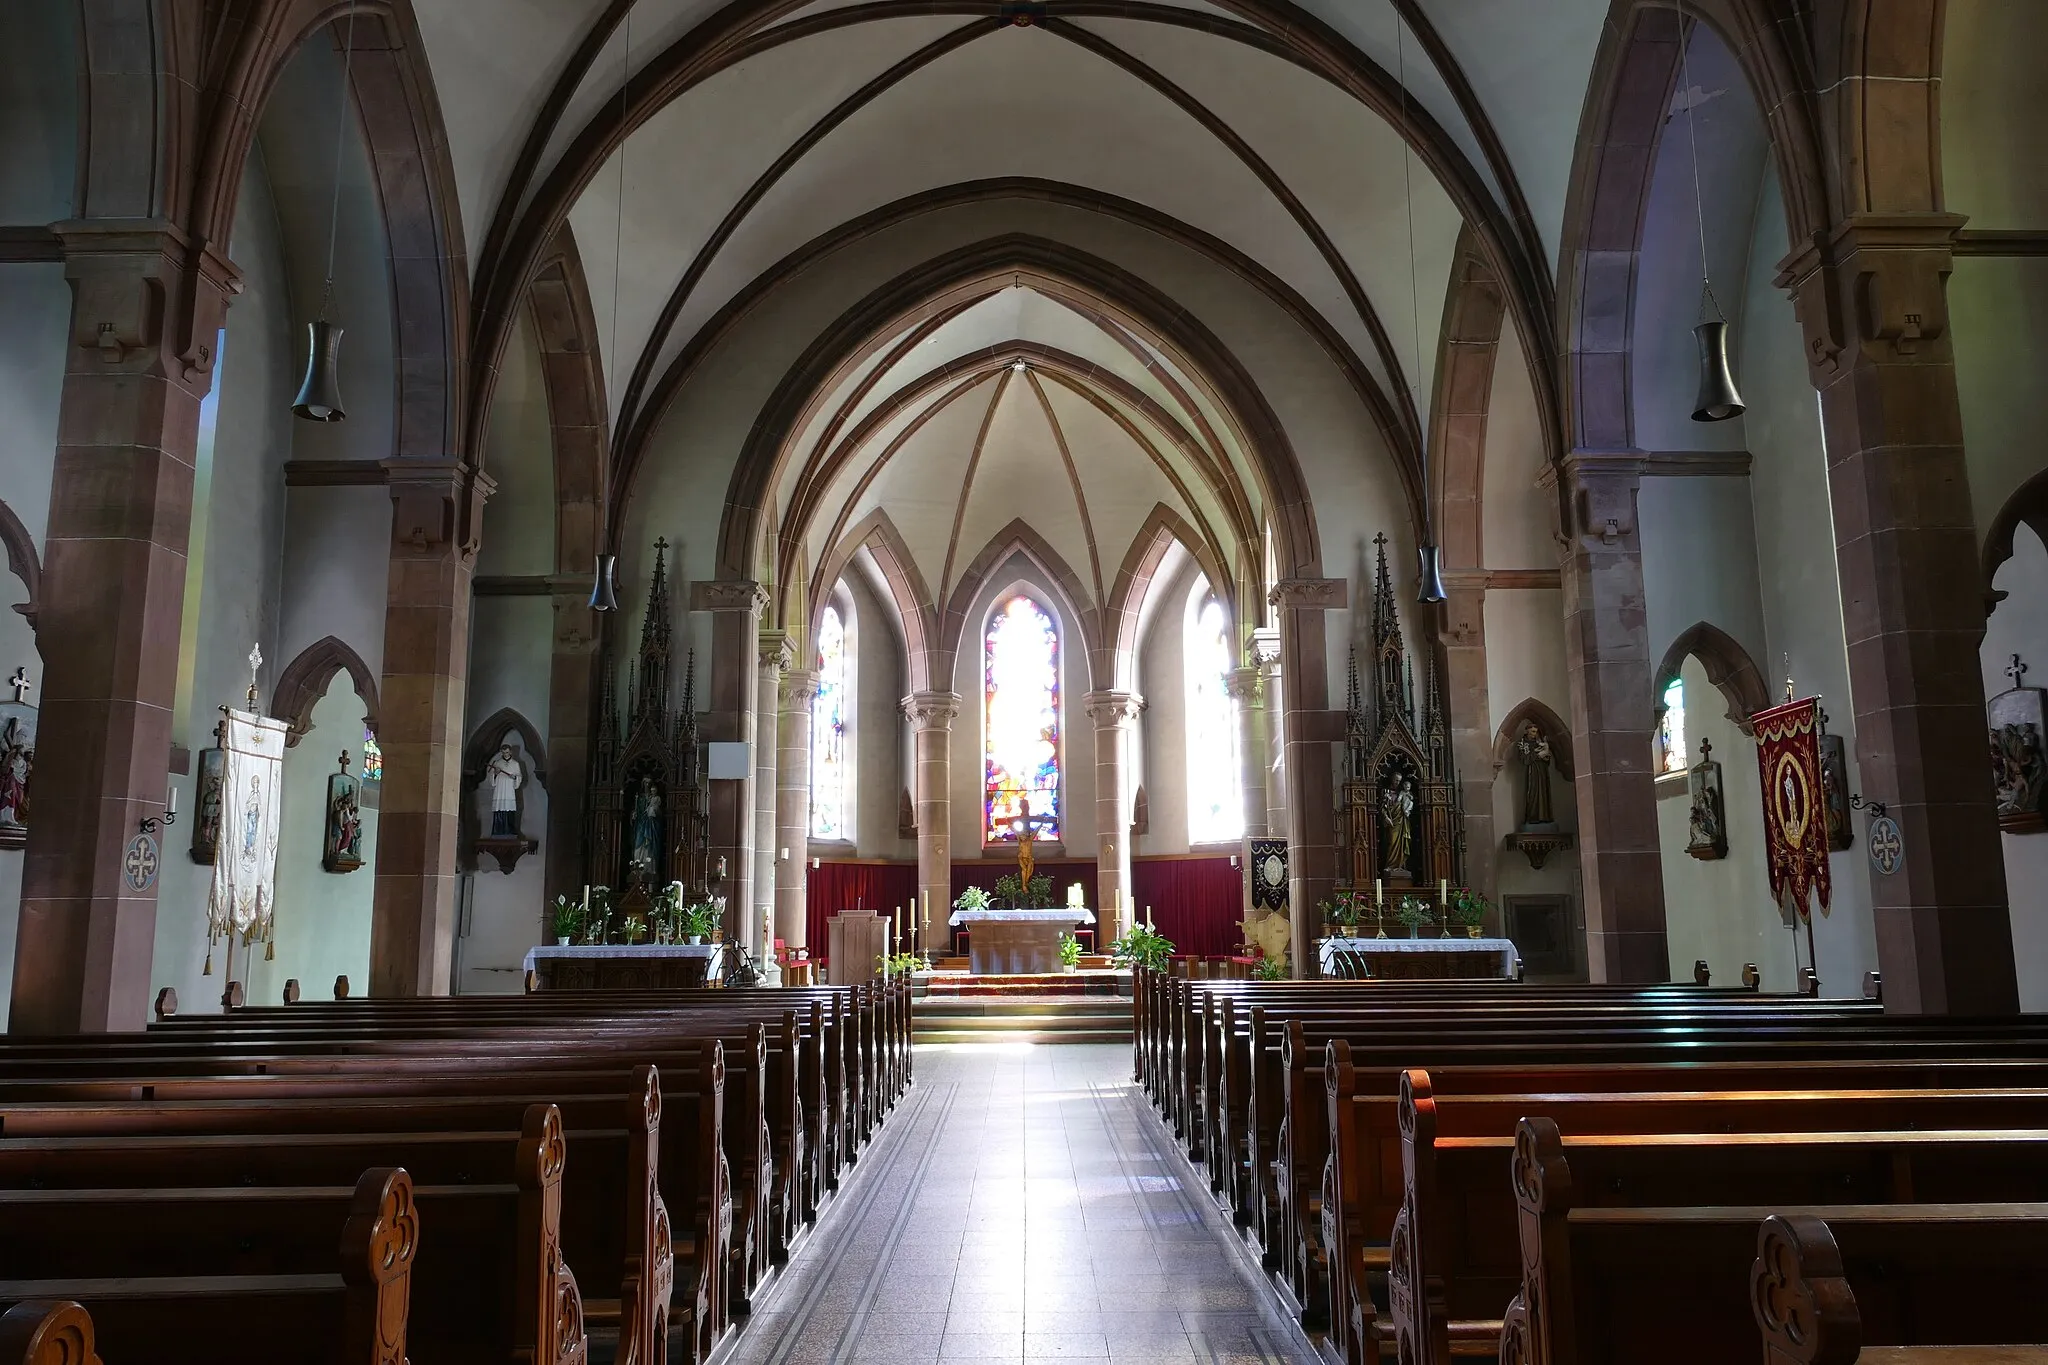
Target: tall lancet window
[[1215, 795], [1670, 739], [1021, 694], [831, 752]]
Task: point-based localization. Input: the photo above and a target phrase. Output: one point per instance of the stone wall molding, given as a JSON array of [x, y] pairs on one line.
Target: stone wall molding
[[1310, 594]]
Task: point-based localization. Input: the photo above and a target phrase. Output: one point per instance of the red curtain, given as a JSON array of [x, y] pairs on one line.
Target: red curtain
[[1195, 902], [832, 887]]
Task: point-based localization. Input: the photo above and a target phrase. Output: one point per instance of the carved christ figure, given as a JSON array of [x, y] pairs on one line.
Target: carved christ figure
[[505, 777], [1534, 751]]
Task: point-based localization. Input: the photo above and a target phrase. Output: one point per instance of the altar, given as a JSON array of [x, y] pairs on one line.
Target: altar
[[1420, 959], [622, 967], [1017, 942]]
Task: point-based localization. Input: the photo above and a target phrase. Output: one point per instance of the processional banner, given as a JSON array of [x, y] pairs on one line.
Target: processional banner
[[1788, 757], [243, 898]]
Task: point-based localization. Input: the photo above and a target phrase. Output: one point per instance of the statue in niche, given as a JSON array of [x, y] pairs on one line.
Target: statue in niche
[[17, 761], [1397, 813], [342, 849], [505, 777], [1706, 821], [1534, 751], [646, 844]]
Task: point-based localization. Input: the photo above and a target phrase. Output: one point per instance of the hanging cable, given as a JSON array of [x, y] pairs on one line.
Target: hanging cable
[[1431, 584], [348, 53], [319, 396], [604, 593]]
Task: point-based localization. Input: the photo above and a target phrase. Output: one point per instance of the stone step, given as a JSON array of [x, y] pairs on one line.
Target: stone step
[[1028, 1019], [1025, 1036]]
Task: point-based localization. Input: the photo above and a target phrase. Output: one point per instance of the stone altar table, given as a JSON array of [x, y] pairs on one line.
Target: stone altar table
[[623, 967], [1011, 942], [1420, 959]]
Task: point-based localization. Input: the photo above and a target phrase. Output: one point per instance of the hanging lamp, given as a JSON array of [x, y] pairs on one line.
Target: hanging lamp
[[1429, 578], [604, 589], [319, 398], [1717, 400]]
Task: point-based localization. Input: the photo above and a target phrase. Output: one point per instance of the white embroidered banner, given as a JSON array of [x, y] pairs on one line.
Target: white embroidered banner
[[245, 867]]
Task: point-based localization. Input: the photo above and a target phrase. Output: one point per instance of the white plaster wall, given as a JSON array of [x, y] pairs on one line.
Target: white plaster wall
[[39, 85], [879, 686], [2019, 625], [1162, 729], [1998, 308], [1801, 595], [1077, 732], [1518, 519], [1700, 561], [519, 519], [510, 644], [1994, 143], [1721, 909], [323, 918]]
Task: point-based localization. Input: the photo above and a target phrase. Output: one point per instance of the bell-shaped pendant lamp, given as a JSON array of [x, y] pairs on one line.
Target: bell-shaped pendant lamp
[[319, 397], [604, 593], [1718, 400], [1431, 586]]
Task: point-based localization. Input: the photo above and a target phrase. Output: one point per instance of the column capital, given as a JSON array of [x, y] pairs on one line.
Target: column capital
[[437, 504], [143, 297], [932, 710], [1263, 650], [778, 650], [1243, 684], [1877, 282], [799, 686], [1601, 502], [728, 594], [1110, 708], [1311, 594]]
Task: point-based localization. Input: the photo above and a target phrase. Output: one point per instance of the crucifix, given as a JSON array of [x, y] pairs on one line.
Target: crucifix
[[255, 663], [1027, 826], [20, 683], [2015, 670]]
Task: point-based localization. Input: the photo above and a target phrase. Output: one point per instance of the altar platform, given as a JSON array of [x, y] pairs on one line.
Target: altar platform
[[1018, 942]]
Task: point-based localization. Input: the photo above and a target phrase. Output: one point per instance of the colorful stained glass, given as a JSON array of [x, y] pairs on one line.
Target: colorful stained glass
[[1671, 730], [831, 778], [373, 757], [1021, 693], [1215, 796]]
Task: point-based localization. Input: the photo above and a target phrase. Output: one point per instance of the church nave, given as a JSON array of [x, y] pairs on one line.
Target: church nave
[[1021, 1205]]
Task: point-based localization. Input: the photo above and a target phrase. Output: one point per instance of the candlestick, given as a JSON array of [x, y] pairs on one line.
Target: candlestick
[[171, 811], [1379, 892], [1443, 890], [586, 898]]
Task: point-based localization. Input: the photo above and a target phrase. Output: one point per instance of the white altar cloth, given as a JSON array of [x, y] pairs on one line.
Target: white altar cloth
[[1061, 914], [1503, 948], [715, 952]]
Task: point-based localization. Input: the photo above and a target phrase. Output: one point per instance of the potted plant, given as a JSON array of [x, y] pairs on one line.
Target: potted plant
[[568, 919], [902, 964], [1413, 911], [1070, 952], [597, 923], [1269, 969], [1344, 912], [1469, 908], [635, 929], [973, 898], [1142, 946], [699, 921]]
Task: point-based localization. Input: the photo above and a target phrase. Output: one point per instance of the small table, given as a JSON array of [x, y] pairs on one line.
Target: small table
[[1017, 942], [1420, 959], [624, 967]]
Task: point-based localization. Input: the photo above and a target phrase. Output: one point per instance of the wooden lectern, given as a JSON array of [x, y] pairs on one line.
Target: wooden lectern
[[856, 941]]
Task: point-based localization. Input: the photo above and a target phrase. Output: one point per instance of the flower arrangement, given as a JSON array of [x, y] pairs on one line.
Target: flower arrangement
[[699, 921], [634, 929], [1070, 951], [1014, 893], [1469, 909], [597, 920], [1412, 911], [1269, 969], [973, 898], [1143, 946], [567, 918], [903, 964], [1346, 910]]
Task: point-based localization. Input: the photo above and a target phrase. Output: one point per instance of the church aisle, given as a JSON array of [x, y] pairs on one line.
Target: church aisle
[[1021, 1205]]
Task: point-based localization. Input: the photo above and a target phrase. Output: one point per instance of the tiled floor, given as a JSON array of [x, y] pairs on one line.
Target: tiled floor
[[1021, 1204]]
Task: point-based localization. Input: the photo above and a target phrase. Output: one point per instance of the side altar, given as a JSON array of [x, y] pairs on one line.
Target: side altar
[[1017, 942], [622, 967]]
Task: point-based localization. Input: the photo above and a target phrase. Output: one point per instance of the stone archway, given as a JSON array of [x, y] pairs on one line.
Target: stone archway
[[303, 682], [1728, 667]]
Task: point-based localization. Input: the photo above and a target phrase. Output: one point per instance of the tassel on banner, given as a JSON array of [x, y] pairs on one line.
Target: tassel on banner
[[269, 951], [209, 960]]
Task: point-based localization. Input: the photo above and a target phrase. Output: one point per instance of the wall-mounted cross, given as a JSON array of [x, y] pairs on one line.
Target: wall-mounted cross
[[2017, 671], [20, 683]]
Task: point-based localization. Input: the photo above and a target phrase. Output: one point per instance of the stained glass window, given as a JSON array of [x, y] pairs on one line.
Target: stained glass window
[[831, 813], [373, 757], [1215, 796], [1671, 729], [1021, 693]]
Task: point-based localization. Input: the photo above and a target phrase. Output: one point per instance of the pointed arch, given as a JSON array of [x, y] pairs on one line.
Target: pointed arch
[[876, 532], [25, 564], [304, 682], [1548, 721], [1729, 668], [1162, 527], [485, 739], [1018, 538]]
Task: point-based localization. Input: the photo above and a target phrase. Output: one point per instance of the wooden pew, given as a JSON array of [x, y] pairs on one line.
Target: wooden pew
[[1805, 1303], [1675, 1283], [355, 1314], [488, 1284]]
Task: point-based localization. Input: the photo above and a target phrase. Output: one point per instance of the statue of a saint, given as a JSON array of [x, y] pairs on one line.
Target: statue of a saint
[[646, 827], [1705, 819], [505, 777], [1397, 814], [17, 757], [1534, 751]]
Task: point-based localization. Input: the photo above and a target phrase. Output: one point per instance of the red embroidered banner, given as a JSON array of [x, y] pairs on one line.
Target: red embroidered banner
[[1795, 807]]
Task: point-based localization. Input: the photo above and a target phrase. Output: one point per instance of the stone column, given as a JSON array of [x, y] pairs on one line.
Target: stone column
[[1272, 732], [778, 652], [1608, 654], [1871, 297], [1310, 729], [793, 806], [736, 606], [436, 517], [931, 717], [108, 614], [1463, 635], [1243, 686], [1114, 713]]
